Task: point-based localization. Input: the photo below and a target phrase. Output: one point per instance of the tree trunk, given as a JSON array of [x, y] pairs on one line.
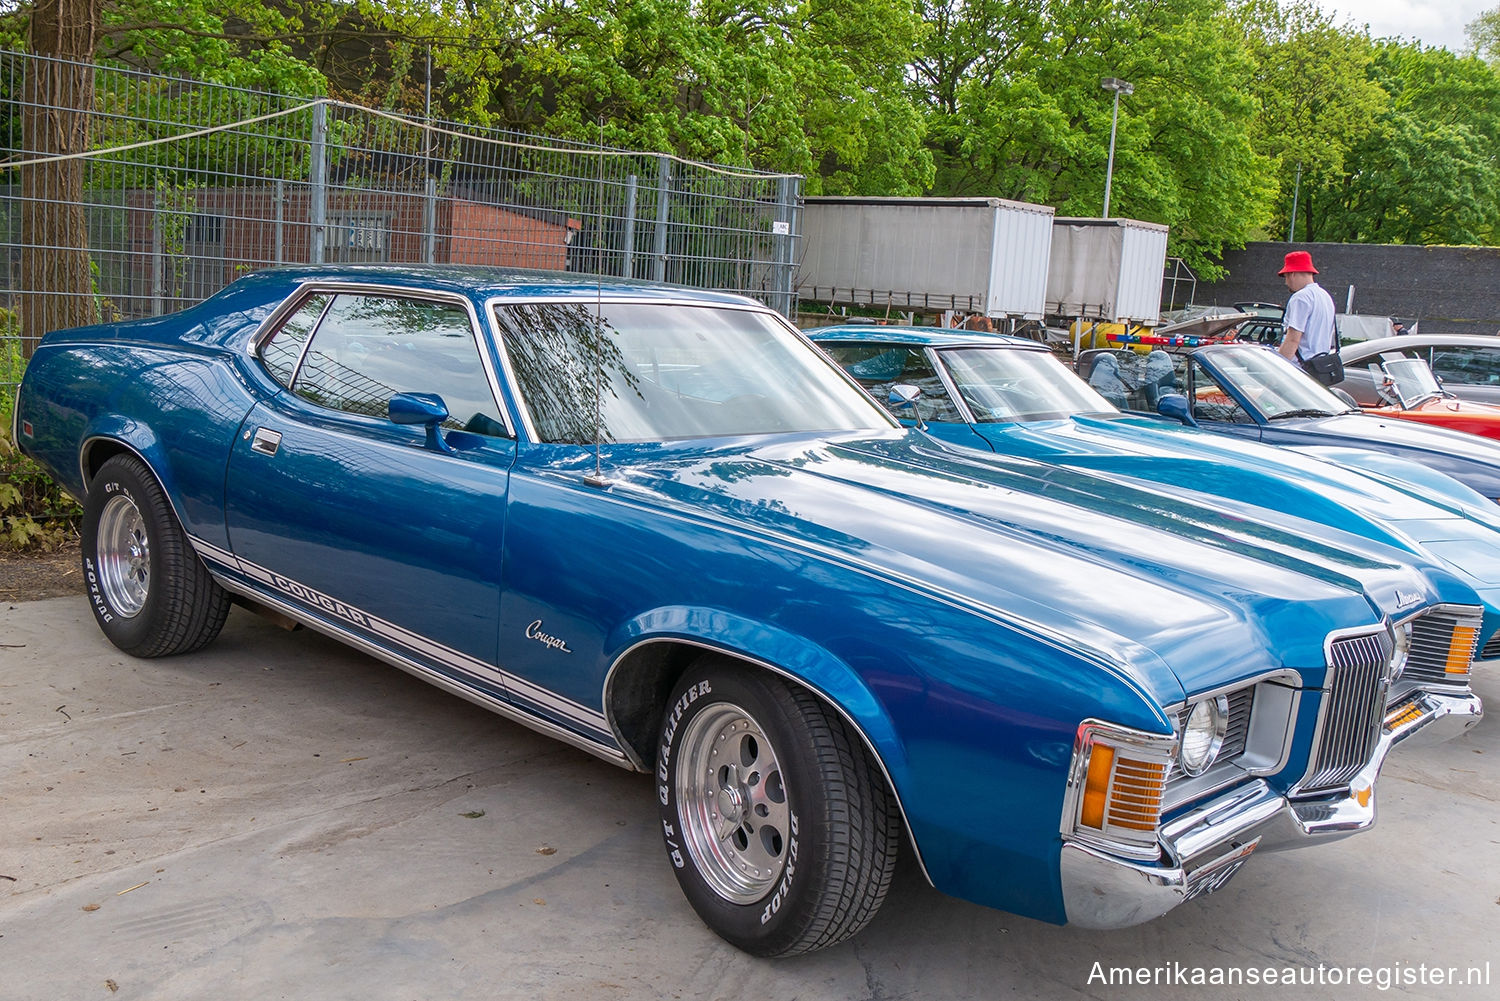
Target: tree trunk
[[58, 98]]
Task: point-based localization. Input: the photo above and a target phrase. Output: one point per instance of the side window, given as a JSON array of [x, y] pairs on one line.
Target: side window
[[1467, 366], [281, 351], [1211, 402], [879, 367], [368, 348]]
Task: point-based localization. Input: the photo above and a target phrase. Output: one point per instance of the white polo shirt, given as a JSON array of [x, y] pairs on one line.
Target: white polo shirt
[[1311, 311]]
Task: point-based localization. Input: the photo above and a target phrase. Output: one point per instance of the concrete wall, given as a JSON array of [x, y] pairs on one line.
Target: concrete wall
[[1448, 289]]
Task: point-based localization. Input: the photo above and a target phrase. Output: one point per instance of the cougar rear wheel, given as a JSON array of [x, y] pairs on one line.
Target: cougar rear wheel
[[778, 824], [149, 592]]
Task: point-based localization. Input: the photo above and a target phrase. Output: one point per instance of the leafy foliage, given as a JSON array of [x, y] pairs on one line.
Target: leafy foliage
[[1428, 168], [1015, 109], [1238, 104], [34, 511], [1315, 92], [1484, 36]]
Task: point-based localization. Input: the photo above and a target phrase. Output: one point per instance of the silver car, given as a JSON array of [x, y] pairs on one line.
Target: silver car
[[1467, 364]]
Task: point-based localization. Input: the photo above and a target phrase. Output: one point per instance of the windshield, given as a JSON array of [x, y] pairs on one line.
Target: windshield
[[1272, 384], [657, 371], [1009, 384], [1409, 380]]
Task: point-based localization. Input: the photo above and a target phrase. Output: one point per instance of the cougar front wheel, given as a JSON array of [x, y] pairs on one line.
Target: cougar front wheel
[[781, 829]]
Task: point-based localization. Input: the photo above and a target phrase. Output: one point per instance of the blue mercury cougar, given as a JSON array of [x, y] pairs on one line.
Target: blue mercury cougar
[[658, 524]]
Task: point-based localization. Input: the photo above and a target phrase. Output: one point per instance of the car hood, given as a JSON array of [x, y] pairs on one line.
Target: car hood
[[1386, 432], [1448, 412], [1439, 405], [1178, 594], [1153, 452], [1380, 498]]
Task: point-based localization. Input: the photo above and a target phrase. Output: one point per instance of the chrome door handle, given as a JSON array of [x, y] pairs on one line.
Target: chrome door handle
[[266, 441]]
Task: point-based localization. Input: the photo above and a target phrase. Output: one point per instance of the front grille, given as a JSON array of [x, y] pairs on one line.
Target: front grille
[[1353, 710], [1442, 648], [1491, 649], [1235, 734]]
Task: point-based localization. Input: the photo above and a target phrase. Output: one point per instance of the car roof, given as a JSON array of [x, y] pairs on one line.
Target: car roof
[[1363, 349], [496, 281], [932, 337]]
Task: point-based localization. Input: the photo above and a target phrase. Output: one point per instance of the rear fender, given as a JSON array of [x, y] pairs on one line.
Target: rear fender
[[110, 434]]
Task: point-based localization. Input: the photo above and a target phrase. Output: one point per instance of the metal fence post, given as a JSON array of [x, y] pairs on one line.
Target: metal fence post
[[784, 230], [429, 222], [663, 192], [158, 259], [627, 257], [429, 204], [278, 197], [317, 179]]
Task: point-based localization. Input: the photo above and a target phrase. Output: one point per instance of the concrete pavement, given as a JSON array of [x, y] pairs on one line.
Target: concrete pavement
[[281, 817]]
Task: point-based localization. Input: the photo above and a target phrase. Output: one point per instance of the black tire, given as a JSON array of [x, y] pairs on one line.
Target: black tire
[[754, 772], [150, 594]]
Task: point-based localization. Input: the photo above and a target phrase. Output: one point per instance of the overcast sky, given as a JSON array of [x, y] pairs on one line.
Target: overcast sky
[[1433, 22]]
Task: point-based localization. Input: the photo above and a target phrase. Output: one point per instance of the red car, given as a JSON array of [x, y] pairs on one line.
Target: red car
[[1411, 392]]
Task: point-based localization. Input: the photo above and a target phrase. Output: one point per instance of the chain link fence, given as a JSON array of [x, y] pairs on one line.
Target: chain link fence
[[186, 185]]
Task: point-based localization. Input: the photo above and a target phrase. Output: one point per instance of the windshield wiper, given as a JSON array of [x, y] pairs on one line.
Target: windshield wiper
[[1303, 413]]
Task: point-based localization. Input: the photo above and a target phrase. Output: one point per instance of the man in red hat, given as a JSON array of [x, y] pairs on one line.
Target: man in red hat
[[1309, 312]]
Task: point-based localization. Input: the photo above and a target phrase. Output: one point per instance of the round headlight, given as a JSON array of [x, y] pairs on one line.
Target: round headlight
[[1402, 650], [1203, 735]]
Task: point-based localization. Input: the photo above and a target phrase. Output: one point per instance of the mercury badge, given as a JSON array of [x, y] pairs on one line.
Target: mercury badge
[[1406, 599]]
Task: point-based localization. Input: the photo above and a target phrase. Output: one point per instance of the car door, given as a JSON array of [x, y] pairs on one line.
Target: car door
[[382, 530]]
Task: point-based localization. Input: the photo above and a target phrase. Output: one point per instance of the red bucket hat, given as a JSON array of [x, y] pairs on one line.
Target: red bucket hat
[[1298, 261]]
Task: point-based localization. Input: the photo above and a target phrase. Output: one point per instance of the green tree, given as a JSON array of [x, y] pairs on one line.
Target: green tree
[[1428, 170], [1484, 36], [811, 86], [1316, 95], [56, 98], [1015, 109]]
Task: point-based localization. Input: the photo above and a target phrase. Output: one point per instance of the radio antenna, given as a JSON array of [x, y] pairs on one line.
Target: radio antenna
[[598, 479]]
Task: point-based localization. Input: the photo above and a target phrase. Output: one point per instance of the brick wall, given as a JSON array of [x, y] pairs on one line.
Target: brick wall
[[1449, 289]]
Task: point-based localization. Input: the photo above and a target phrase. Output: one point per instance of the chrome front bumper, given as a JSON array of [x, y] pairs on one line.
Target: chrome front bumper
[[1425, 718], [1204, 847]]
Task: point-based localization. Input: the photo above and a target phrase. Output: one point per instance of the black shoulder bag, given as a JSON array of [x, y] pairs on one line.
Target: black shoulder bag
[[1327, 368]]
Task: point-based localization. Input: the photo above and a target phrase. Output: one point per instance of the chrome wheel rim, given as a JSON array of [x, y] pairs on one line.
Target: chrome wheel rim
[[124, 553], [732, 803]]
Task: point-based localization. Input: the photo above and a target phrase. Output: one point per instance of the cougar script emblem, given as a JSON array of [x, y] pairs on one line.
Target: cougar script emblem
[[534, 632]]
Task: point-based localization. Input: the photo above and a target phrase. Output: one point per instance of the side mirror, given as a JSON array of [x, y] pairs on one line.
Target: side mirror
[[1385, 388], [905, 396], [421, 408], [1175, 406]]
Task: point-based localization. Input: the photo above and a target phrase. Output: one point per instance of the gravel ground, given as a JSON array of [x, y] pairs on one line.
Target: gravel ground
[[33, 575]]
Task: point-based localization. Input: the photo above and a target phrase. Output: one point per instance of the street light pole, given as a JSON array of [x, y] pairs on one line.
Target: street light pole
[[1119, 87], [1296, 190]]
